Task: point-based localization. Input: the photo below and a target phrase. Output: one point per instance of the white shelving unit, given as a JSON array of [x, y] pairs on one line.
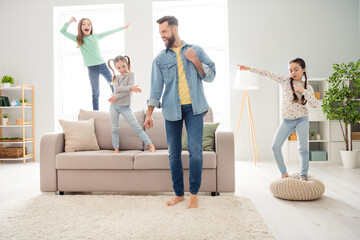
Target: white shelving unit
[[27, 116], [330, 131]]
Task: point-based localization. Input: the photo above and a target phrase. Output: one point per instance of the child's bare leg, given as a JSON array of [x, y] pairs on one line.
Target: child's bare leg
[[193, 202], [152, 147], [175, 200], [116, 150]]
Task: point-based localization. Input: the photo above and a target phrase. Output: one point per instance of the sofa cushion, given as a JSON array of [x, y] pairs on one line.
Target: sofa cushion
[[157, 132], [209, 117], [79, 135], [129, 140], [103, 159], [208, 143], [160, 160]]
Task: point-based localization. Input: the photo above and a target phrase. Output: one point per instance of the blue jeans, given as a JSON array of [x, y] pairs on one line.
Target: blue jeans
[[194, 128], [302, 131], [129, 116], [94, 73]]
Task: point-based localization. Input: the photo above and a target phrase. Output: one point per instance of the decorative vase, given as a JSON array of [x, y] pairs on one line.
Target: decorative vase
[[318, 137], [4, 121], [349, 158]]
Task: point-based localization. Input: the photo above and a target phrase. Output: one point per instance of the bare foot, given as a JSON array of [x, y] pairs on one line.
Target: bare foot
[[152, 148], [116, 150], [285, 175], [175, 200], [303, 179], [193, 202]]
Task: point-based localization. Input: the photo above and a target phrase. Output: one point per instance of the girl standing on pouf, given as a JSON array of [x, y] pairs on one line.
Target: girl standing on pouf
[[295, 95], [120, 101], [90, 50]]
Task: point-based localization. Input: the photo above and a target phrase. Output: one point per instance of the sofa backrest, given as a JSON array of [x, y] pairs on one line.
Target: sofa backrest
[[157, 133], [128, 139]]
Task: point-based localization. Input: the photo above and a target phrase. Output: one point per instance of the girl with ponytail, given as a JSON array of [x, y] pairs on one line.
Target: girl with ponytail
[[88, 43], [296, 93], [120, 101]]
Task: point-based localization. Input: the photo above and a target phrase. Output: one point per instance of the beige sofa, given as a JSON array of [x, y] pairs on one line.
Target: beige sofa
[[134, 169]]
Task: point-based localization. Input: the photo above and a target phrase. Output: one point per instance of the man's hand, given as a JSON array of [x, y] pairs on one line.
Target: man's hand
[[148, 122], [190, 54]]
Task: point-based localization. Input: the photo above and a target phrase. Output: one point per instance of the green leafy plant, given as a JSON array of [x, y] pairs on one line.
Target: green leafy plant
[[312, 134], [5, 115], [340, 101], [21, 100], [7, 79], [10, 138]]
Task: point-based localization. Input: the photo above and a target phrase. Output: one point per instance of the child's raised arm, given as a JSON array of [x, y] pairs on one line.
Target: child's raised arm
[[65, 27], [279, 78], [72, 19], [105, 34]]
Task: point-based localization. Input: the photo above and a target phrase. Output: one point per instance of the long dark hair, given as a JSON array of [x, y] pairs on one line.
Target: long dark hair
[[302, 65], [119, 58]]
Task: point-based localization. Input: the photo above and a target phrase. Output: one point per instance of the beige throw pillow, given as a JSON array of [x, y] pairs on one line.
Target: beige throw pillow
[[79, 135]]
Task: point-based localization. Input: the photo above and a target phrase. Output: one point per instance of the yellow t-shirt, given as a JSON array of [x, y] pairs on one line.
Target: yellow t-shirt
[[184, 91]]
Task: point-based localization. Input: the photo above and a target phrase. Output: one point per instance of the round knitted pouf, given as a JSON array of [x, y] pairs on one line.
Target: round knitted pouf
[[292, 188]]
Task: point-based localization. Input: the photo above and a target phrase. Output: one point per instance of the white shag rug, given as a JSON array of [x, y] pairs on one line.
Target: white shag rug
[[132, 217]]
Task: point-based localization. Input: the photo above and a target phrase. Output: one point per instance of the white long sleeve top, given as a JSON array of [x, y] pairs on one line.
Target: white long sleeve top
[[289, 109]]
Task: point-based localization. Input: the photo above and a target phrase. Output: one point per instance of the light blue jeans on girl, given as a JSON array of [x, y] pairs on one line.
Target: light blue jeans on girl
[[94, 74], [130, 118], [301, 125]]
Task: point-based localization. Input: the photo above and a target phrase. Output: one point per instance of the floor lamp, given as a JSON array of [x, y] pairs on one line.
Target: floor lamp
[[247, 81]]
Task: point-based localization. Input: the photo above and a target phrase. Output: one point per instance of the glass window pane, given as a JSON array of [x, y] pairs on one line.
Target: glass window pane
[[73, 73], [208, 30]]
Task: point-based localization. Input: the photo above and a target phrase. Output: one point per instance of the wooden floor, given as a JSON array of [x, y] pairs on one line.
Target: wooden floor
[[335, 216]]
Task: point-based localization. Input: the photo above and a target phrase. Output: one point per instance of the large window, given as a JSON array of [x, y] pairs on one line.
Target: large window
[[203, 23], [72, 85]]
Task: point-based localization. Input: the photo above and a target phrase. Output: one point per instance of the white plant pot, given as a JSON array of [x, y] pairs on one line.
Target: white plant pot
[[349, 158], [7, 85], [4, 121]]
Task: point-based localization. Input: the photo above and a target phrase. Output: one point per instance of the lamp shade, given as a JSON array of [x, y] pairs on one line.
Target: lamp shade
[[246, 80]]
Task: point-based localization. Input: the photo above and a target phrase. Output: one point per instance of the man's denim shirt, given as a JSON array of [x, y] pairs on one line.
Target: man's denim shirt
[[165, 71]]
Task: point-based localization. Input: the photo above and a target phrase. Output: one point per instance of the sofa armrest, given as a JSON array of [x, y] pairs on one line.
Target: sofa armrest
[[51, 144], [225, 152]]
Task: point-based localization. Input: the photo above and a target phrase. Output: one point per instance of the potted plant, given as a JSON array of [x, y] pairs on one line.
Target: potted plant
[[5, 118], [23, 101], [7, 81], [340, 104], [312, 136]]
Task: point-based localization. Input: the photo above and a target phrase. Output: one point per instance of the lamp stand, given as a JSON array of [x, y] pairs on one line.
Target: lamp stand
[[251, 123]]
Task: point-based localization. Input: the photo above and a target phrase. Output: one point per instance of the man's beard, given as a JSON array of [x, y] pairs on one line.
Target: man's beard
[[171, 41]]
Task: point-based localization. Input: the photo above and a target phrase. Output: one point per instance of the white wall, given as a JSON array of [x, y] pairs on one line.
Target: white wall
[[262, 33], [270, 33]]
